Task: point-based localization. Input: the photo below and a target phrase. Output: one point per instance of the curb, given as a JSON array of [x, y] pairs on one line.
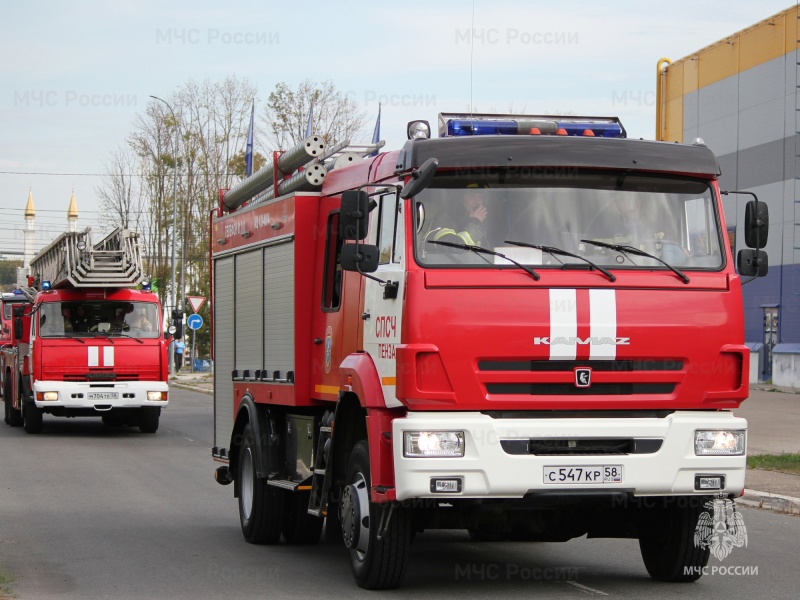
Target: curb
[[191, 388], [774, 502]]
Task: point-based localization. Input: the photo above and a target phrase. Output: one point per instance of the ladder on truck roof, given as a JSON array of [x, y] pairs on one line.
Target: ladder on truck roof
[[301, 168], [71, 260]]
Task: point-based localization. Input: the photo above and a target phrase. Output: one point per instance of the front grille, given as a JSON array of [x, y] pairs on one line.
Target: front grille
[[569, 365], [646, 376], [93, 376], [581, 447], [569, 389]]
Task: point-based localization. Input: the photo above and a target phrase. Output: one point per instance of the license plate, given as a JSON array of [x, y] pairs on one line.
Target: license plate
[[585, 474], [103, 395]]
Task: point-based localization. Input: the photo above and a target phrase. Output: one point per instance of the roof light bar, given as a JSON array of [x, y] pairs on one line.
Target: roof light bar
[[457, 124]]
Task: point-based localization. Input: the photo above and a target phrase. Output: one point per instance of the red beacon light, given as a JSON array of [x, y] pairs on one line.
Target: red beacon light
[[588, 133]]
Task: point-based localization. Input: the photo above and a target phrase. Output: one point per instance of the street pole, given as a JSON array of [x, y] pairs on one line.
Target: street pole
[[174, 229]]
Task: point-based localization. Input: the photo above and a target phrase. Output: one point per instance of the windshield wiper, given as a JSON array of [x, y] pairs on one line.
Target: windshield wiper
[[128, 335], [553, 250], [632, 250], [482, 250]]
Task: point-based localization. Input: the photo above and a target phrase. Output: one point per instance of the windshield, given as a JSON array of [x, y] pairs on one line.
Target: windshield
[[671, 218], [87, 319]]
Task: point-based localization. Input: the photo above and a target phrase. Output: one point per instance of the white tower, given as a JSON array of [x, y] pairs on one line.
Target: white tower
[[29, 241], [72, 214]]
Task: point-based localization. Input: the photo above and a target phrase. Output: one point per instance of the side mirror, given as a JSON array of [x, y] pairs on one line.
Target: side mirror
[[752, 263], [756, 224], [362, 258], [18, 312], [354, 215], [420, 178]]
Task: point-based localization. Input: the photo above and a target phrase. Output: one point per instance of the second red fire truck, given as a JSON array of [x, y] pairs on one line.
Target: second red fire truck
[[86, 337], [530, 328]]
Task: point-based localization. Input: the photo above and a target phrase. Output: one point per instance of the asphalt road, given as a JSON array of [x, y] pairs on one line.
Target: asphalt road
[[90, 512]]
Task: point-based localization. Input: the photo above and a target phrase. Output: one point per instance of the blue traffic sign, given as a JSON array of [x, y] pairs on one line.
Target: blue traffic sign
[[194, 321]]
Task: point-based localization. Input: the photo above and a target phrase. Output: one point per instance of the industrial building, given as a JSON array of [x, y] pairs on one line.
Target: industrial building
[[739, 95]]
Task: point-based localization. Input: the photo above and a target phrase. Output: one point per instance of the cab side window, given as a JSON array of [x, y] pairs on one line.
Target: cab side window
[[386, 228], [332, 276]]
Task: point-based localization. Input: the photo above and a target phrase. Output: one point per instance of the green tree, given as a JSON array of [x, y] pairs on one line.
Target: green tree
[[337, 117], [8, 274]]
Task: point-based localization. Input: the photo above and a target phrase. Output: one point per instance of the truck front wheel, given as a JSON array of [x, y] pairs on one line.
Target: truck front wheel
[[666, 540], [148, 419], [13, 416], [32, 420], [261, 506], [377, 563]]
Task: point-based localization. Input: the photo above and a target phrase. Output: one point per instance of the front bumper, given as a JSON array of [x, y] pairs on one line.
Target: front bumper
[[488, 471], [128, 394]]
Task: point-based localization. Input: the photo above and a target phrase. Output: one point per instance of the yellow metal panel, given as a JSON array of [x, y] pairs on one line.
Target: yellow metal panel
[[718, 62], [674, 83], [673, 131], [762, 43], [790, 28], [690, 75]]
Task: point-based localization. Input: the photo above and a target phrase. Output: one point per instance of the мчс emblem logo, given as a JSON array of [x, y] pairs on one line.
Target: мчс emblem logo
[[583, 378], [720, 528]]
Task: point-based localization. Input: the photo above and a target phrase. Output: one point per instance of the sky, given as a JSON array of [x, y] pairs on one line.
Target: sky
[[73, 75]]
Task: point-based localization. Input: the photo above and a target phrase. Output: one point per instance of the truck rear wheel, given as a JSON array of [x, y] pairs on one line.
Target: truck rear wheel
[[261, 506], [299, 527], [32, 420], [377, 564], [666, 540], [148, 419]]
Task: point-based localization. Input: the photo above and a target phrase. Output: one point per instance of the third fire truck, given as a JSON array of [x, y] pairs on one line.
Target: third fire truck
[[530, 328]]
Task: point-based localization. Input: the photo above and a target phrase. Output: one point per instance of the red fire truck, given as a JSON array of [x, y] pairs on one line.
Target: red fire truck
[[86, 340], [530, 328]]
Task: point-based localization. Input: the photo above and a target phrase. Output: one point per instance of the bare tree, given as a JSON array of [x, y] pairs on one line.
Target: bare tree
[[152, 141], [211, 120], [120, 193], [336, 116]]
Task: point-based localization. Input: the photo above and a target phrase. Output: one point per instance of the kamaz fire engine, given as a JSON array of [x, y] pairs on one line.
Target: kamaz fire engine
[[86, 339], [530, 328]]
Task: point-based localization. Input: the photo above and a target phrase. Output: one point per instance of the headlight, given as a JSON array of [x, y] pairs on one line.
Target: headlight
[[719, 443], [156, 396], [47, 396], [433, 443]]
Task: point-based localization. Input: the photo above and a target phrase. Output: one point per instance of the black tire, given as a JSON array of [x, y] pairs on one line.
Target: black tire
[[261, 507], [299, 527], [376, 564], [666, 540], [333, 522], [32, 420], [13, 416], [148, 419]]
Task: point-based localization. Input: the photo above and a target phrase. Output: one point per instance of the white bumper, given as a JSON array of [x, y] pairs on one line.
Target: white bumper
[[487, 471], [127, 394]]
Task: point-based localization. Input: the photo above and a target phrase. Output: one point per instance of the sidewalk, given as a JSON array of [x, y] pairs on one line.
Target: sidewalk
[[763, 489]]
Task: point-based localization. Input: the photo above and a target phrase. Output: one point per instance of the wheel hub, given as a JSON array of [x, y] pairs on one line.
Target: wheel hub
[[350, 517]]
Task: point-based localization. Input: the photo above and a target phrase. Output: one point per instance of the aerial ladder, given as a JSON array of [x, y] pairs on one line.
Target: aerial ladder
[[71, 260]]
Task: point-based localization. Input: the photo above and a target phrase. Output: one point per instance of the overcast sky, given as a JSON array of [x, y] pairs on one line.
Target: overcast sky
[[74, 74]]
